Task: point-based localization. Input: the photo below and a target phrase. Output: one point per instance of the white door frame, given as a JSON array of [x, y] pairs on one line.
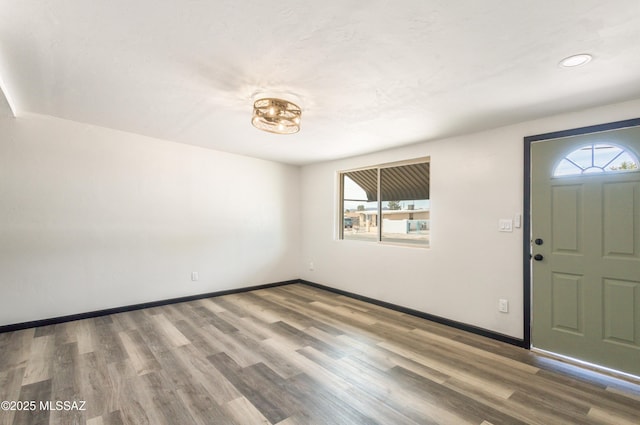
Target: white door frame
[[526, 239]]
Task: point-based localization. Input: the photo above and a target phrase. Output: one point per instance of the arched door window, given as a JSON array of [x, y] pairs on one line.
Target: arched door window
[[597, 158]]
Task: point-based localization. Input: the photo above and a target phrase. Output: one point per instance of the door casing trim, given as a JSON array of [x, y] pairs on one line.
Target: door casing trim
[[526, 214]]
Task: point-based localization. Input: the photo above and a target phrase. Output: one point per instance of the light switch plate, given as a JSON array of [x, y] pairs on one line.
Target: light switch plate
[[505, 225], [503, 306], [517, 221]]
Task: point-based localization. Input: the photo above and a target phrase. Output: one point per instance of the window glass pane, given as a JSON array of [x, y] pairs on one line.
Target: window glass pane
[[360, 205], [405, 204]]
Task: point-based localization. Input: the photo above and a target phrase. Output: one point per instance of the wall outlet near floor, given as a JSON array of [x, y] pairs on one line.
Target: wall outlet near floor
[[311, 266], [194, 276], [503, 306]]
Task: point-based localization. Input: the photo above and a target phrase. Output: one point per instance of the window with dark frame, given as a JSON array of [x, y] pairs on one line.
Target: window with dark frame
[[387, 203]]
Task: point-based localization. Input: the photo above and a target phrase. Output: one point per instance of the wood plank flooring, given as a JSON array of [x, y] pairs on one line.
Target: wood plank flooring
[[291, 355]]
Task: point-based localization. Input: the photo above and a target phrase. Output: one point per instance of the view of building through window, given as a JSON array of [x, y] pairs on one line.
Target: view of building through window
[[403, 213]]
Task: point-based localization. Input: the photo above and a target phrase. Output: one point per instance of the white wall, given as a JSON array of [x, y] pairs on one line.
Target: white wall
[[92, 218], [476, 180]]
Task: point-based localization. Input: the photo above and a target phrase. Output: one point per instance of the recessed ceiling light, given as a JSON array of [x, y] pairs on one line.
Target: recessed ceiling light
[[576, 60]]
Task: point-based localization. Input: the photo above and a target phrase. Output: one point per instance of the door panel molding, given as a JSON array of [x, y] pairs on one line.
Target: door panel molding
[[567, 290], [566, 219], [621, 212], [620, 300]]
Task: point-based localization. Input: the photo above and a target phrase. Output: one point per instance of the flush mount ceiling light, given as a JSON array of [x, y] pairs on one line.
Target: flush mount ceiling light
[[276, 115], [576, 60]]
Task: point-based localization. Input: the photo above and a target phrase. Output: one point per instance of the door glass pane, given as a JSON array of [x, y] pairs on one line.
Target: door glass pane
[[624, 162], [604, 154], [567, 168], [596, 158]]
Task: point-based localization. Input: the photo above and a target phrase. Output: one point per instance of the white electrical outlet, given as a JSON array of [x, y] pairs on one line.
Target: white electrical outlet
[[503, 306], [311, 266], [194, 276]]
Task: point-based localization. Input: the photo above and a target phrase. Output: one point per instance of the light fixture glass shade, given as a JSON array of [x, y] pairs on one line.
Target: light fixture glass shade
[[276, 116]]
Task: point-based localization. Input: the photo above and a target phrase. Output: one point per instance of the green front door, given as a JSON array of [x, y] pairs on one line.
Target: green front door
[[585, 230]]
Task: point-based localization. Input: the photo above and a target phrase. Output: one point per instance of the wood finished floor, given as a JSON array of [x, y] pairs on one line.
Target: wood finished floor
[[293, 355]]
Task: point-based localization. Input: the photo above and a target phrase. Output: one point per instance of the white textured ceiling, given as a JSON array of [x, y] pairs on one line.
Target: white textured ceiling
[[371, 75]]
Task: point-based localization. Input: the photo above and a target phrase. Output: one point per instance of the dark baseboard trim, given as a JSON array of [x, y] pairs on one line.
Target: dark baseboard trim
[[106, 312], [452, 323]]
